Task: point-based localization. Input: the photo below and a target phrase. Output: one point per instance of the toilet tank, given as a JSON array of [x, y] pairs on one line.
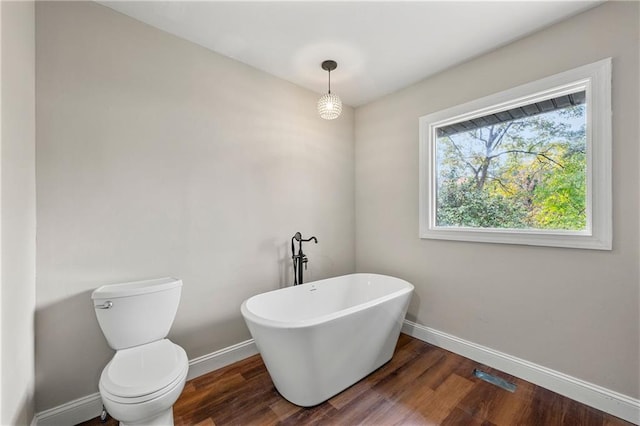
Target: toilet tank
[[135, 313]]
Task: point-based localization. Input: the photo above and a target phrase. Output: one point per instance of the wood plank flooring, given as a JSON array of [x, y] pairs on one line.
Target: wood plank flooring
[[421, 385]]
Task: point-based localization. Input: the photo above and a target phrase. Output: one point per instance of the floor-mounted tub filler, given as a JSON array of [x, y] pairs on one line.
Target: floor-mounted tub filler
[[319, 338]]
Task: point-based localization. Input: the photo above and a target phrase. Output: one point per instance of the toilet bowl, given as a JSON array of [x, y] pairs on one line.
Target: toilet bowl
[[147, 374], [141, 384]]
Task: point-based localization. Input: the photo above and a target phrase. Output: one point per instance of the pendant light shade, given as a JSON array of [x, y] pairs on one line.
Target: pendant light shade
[[329, 104]]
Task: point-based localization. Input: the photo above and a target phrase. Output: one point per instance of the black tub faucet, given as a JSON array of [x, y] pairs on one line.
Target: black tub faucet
[[299, 259]]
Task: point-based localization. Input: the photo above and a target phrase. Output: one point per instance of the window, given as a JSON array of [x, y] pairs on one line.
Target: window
[[530, 165]]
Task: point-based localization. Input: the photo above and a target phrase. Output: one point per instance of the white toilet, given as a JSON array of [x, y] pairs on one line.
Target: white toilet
[[147, 374]]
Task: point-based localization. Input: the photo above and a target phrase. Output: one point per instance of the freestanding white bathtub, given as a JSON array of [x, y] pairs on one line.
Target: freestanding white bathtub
[[319, 338]]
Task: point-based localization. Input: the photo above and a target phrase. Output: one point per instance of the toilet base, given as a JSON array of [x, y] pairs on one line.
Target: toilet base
[[164, 418]]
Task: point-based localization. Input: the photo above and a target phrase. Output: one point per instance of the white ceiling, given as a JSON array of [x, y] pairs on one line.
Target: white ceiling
[[380, 46]]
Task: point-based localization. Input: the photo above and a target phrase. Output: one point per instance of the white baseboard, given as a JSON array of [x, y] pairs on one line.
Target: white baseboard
[[90, 406], [218, 359], [614, 403], [603, 399], [73, 412]]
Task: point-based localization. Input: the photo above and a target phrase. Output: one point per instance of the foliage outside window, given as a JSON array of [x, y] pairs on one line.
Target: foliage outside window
[[530, 165]]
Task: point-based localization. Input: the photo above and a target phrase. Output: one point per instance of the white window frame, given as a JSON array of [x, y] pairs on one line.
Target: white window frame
[[596, 79]]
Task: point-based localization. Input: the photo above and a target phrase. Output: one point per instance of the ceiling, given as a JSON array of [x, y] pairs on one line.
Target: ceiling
[[380, 46]]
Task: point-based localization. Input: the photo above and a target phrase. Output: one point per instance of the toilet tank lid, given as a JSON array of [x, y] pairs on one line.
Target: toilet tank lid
[[135, 288]]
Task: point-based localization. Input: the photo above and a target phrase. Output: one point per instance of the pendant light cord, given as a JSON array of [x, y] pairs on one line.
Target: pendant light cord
[[329, 81]]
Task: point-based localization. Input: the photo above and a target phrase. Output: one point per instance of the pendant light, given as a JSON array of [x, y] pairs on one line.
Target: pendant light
[[329, 104]]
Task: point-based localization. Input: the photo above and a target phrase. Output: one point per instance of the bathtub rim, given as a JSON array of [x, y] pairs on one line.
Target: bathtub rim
[[249, 315]]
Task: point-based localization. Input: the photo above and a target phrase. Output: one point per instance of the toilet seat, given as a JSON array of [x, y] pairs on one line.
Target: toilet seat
[[145, 372]]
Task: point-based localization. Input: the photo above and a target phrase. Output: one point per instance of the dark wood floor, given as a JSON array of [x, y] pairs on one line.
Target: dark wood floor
[[421, 385]]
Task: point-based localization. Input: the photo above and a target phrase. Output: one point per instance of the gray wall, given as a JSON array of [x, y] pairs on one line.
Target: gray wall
[[575, 311], [157, 157], [18, 213]]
